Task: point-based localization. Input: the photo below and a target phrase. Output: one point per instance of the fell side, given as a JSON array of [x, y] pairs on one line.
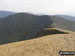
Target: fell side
[[48, 45]]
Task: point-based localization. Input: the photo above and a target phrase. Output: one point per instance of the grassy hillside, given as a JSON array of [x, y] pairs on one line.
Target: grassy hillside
[[52, 31], [68, 17], [24, 26], [49, 45], [62, 23]]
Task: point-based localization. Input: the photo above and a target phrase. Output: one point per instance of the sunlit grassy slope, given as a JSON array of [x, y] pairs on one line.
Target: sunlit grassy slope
[[52, 31], [48, 45], [58, 29]]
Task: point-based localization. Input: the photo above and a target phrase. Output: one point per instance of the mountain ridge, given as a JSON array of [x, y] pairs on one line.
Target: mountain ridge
[[24, 26], [68, 17]]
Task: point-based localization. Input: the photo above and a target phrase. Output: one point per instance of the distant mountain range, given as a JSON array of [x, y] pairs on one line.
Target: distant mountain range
[[23, 26], [67, 17], [5, 13]]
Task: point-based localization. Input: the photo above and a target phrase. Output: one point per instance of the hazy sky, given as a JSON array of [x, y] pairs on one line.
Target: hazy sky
[[39, 6]]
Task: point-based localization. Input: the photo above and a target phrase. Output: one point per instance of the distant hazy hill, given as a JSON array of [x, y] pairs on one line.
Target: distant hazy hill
[[63, 23], [5, 13], [67, 17], [23, 26]]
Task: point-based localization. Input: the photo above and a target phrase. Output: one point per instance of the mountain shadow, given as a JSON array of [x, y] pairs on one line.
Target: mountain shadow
[[22, 26], [25, 26]]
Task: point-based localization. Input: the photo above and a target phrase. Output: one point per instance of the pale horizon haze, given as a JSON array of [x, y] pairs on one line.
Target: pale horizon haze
[[50, 7]]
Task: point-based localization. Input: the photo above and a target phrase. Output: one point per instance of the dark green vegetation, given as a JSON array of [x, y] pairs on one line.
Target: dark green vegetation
[[23, 26]]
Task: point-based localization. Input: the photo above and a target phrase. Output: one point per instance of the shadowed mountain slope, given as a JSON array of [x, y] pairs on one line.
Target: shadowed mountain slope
[[18, 26], [24, 26]]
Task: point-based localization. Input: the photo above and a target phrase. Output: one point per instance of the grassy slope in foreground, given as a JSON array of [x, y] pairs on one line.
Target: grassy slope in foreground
[[45, 46]]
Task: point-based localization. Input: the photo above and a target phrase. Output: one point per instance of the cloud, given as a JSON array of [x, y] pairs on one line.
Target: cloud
[[39, 6]]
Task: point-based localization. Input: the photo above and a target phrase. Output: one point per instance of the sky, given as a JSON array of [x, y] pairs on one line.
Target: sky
[[50, 7]]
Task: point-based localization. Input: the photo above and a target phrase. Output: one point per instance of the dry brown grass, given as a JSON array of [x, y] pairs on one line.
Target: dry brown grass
[[58, 29], [45, 46]]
